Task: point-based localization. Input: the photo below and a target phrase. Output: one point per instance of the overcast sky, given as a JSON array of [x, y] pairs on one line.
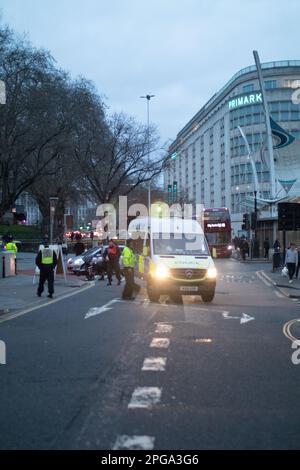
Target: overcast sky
[[182, 51]]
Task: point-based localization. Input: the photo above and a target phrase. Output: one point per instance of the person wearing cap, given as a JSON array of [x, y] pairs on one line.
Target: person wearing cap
[[46, 261], [129, 262]]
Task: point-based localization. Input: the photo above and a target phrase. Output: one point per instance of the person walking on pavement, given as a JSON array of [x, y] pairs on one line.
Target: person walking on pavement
[[291, 260], [244, 247], [266, 247], [276, 246], [129, 262], [46, 261], [79, 246], [112, 256]]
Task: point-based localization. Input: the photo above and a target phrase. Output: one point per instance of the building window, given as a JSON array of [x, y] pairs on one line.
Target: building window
[[270, 84], [249, 87]]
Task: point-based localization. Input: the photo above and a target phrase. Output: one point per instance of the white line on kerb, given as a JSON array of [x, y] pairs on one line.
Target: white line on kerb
[[145, 397], [281, 296], [51, 302], [134, 443], [163, 328], [160, 343], [155, 363]]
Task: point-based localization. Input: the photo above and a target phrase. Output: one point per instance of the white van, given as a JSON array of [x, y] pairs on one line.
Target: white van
[[173, 257]]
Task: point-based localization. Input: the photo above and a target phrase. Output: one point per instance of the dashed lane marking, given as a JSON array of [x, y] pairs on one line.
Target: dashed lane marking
[[145, 397], [163, 328], [125, 442], [154, 364], [160, 343]]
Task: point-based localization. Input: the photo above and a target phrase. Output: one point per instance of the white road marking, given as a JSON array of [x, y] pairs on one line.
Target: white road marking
[[155, 363], [243, 319], [134, 443], [262, 278], [287, 330], [51, 302], [163, 328], [281, 296], [160, 343], [145, 397], [98, 310]]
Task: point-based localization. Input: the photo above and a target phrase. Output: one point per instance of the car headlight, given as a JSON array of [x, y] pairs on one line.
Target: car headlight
[[212, 273], [229, 247], [162, 271], [78, 262]]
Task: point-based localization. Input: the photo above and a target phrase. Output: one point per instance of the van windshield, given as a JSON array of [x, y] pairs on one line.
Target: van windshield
[[189, 244]]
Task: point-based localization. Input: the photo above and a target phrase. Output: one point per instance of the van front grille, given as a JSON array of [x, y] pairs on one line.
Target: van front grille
[[187, 274]]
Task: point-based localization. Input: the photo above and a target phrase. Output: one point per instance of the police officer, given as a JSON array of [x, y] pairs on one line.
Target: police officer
[[46, 261], [129, 262], [111, 256], [11, 247]]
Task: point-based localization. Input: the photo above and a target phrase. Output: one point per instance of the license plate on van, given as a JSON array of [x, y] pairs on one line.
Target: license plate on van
[[188, 288]]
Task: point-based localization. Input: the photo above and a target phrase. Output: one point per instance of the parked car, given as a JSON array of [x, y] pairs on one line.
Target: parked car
[[75, 264]]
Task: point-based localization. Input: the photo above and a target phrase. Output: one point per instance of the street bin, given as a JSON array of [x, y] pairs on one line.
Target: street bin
[[276, 261], [8, 265]]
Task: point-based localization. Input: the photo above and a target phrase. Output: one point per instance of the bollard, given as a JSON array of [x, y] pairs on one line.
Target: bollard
[[3, 266]]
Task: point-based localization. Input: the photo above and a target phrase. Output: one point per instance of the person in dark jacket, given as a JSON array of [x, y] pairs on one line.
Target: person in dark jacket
[[244, 247], [79, 247], [46, 261], [112, 257], [276, 246], [266, 248]]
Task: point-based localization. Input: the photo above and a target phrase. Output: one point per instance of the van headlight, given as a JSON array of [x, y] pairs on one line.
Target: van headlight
[[162, 271], [212, 273], [229, 247]]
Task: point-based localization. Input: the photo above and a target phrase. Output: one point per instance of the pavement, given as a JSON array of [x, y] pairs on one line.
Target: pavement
[[19, 292], [91, 371]]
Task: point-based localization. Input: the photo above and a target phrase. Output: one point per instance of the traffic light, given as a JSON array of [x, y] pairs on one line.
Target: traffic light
[[288, 216], [246, 222], [170, 195], [253, 220], [174, 191]]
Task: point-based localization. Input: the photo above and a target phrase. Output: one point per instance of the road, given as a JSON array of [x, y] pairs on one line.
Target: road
[[147, 375]]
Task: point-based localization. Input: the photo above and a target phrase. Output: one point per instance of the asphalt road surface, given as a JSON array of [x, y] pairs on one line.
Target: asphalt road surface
[[93, 372]]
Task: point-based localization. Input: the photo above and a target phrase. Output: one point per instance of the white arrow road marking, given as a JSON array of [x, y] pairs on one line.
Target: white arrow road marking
[[145, 397], [98, 310], [134, 443], [243, 319], [163, 328]]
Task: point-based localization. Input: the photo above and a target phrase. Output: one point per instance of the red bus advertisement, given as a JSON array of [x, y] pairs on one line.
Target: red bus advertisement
[[217, 229]]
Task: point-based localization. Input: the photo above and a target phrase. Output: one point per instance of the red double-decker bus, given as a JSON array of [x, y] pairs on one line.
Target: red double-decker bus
[[217, 229]]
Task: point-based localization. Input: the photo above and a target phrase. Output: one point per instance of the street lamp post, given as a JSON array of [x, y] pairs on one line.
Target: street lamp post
[[148, 98], [53, 203]]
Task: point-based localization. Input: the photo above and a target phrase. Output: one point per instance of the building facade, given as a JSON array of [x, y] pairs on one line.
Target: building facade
[[209, 159]]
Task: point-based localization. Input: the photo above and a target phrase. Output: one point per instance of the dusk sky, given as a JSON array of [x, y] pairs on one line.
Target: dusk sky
[[181, 51]]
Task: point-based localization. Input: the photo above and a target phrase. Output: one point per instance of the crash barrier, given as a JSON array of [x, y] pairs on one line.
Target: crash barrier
[[9, 266], [278, 261]]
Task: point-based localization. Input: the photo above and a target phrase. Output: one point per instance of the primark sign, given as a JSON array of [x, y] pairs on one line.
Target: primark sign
[[245, 100]]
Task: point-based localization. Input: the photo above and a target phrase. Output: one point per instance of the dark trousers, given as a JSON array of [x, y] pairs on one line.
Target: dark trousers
[[266, 252], [297, 270], [291, 268], [113, 266], [130, 286], [46, 274]]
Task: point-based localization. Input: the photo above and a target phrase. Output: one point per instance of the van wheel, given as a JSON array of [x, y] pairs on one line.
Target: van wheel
[[208, 296], [152, 293]]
